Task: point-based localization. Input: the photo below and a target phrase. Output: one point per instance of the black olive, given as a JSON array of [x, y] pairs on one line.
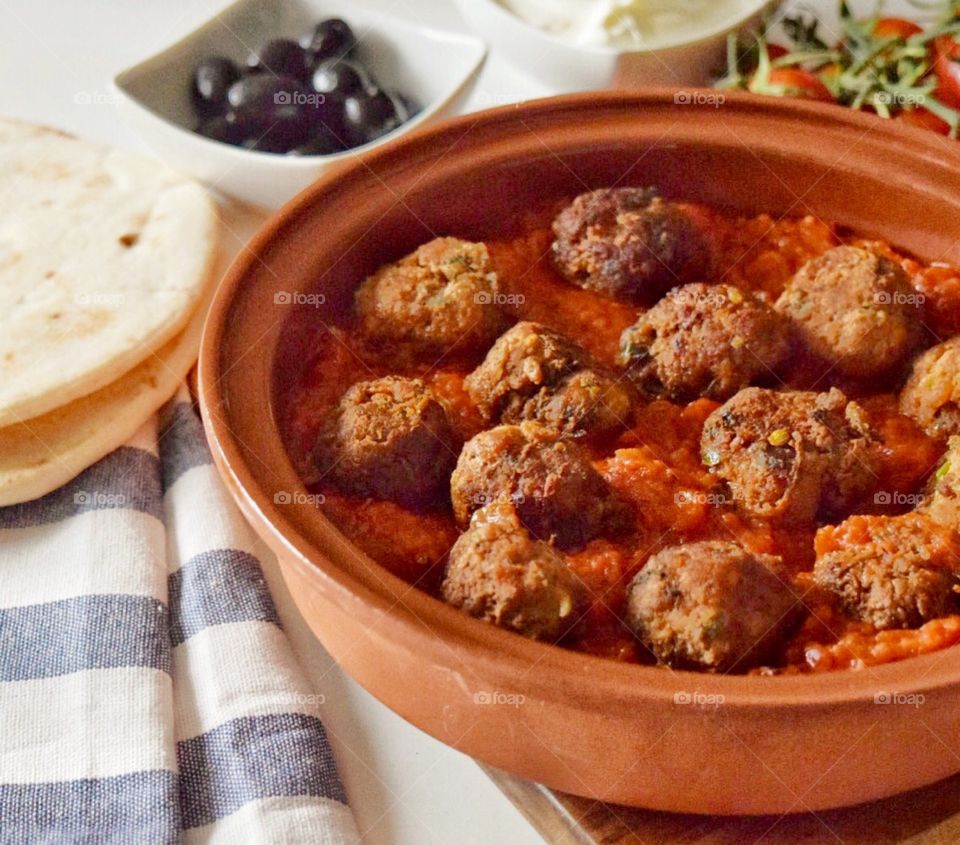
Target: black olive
[[281, 57], [211, 80], [330, 39], [343, 77], [277, 113], [371, 115]]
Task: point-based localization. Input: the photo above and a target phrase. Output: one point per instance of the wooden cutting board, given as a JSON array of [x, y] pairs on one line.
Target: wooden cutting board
[[929, 816]]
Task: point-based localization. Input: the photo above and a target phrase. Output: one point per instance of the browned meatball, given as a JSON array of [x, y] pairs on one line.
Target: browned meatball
[[629, 243], [498, 573], [711, 605], [534, 373], [704, 340], [932, 392], [790, 454], [550, 481], [942, 496], [441, 298], [389, 439], [890, 571], [854, 309]]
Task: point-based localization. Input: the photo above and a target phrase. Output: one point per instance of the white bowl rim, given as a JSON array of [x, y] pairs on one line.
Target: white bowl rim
[[734, 22]]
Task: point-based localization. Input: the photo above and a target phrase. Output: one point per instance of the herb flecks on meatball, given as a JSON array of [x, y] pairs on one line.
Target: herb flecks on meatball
[[535, 373], [441, 298], [550, 481], [704, 340], [711, 606], [629, 243], [855, 310], [890, 571], [941, 501], [791, 455], [932, 392], [389, 439], [497, 572]]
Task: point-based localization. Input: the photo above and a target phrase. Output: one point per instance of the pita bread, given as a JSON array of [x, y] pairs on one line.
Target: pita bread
[[104, 255], [44, 453]]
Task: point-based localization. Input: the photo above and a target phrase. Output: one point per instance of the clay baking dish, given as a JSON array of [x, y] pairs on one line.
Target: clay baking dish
[[620, 733]]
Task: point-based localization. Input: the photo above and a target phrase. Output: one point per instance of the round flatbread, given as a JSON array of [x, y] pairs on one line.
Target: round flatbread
[[43, 453], [104, 255]]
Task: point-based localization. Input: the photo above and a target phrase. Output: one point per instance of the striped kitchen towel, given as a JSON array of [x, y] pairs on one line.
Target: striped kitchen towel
[[147, 691]]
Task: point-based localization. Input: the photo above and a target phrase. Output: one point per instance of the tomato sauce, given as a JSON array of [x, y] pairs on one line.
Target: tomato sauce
[[655, 465]]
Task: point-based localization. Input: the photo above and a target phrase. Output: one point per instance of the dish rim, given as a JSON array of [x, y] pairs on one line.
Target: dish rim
[[547, 668]]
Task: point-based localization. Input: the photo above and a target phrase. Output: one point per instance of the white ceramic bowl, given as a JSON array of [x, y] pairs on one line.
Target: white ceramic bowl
[[566, 66], [434, 69]]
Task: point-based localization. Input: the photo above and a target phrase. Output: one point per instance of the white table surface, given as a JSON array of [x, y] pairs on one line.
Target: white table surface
[[404, 787]]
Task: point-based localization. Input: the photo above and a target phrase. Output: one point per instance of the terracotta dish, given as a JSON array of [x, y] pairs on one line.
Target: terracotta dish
[[639, 735]]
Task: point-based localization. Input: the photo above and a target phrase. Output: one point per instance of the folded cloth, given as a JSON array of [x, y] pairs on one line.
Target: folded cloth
[[147, 690]]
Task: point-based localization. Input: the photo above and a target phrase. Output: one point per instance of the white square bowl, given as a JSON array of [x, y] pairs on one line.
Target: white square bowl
[[432, 68]]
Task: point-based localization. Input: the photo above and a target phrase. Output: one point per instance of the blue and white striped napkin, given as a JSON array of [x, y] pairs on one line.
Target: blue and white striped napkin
[[147, 691]]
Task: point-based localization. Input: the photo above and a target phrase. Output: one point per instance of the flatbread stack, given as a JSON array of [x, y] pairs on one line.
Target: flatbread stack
[[107, 264]]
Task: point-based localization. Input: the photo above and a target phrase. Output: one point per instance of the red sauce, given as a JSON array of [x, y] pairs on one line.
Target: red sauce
[[527, 277], [655, 464]]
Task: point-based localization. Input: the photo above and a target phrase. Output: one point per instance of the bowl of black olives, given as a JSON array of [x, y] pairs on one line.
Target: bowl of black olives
[[261, 100], [313, 96]]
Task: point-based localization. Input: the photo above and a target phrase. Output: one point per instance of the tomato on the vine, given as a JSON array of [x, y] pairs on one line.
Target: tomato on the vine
[[792, 82], [896, 28], [923, 119], [946, 65], [892, 67]]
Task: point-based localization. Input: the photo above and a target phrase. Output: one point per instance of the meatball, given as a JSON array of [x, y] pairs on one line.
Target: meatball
[[792, 454], [533, 373], [441, 298], [704, 340], [389, 439], [854, 309], [942, 496], [711, 605], [932, 392], [550, 481], [890, 571], [629, 243], [498, 573]]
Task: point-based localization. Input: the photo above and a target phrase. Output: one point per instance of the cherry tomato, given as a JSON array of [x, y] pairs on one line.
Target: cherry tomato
[[895, 28], [924, 120], [946, 63], [829, 72], [793, 82]]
